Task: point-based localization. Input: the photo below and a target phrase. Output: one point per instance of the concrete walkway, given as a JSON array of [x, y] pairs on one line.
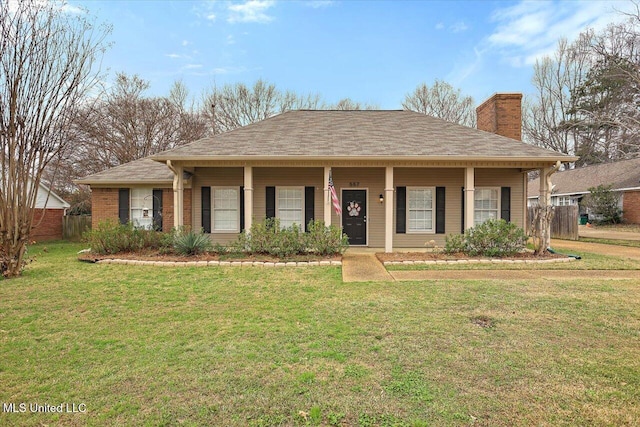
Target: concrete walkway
[[363, 267]]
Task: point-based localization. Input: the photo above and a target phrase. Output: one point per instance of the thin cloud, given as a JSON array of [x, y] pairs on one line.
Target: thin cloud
[[173, 55], [228, 70], [439, 26], [529, 30], [211, 17], [250, 11], [458, 27], [317, 4]]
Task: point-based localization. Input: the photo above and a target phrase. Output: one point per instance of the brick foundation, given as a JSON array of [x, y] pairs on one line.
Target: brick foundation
[[104, 205], [631, 207], [47, 225]]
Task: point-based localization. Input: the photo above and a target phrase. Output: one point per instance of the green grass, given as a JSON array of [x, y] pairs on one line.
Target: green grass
[[630, 243], [260, 347]]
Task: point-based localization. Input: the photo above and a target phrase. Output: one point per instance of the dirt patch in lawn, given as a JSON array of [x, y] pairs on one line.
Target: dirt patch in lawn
[[155, 256], [440, 256]]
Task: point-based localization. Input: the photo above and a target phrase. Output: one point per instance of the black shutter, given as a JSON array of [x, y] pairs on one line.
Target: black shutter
[[157, 209], [440, 212], [308, 206], [206, 209], [270, 202], [462, 219], [123, 205], [401, 210], [505, 203], [241, 208]]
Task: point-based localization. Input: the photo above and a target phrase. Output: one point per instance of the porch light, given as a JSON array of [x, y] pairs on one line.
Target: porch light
[[381, 198]]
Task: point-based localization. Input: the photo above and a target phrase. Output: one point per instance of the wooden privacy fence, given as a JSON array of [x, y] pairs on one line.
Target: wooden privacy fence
[[564, 224], [74, 225]]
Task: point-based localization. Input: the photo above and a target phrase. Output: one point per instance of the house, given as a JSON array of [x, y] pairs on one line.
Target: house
[[47, 219], [402, 178], [570, 186]]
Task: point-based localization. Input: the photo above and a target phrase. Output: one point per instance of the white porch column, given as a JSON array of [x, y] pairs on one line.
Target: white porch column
[[248, 197], [388, 209], [178, 194], [469, 202], [328, 204]]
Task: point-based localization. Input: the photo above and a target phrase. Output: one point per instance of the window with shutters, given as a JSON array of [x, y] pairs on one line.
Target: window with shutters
[[420, 209], [226, 209], [486, 204], [142, 207], [290, 206]]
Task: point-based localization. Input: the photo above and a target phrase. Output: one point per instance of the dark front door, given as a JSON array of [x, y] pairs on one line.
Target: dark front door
[[354, 216]]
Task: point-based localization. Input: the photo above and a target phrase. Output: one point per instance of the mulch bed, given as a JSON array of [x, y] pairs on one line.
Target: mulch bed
[[155, 256]]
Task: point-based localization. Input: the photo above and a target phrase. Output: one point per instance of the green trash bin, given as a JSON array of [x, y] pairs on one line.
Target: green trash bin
[[584, 219]]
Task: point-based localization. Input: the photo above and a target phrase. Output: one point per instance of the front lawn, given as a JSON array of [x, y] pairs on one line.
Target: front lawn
[[254, 346]]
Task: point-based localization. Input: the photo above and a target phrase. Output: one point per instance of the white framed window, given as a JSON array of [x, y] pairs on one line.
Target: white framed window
[[420, 209], [142, 207], [226, 209], [290, 206], [486, 204]]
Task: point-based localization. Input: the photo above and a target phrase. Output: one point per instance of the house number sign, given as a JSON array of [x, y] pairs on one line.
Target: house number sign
[[354, 184]]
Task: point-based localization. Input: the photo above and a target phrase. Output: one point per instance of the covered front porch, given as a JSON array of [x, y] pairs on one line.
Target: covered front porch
[[384, 205]]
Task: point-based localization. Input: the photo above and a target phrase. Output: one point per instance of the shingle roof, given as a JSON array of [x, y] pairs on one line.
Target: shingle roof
[[141, 171], [622, 174], [368, 133]]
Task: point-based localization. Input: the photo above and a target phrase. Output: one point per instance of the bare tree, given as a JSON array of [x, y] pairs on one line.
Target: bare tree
[[124, 125], [47, 60], [346, 104], [443, 101], [233, 106]]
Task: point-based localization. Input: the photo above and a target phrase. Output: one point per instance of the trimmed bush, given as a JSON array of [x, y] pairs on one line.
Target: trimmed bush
[[111, 237], [493, 238], [325, 240]]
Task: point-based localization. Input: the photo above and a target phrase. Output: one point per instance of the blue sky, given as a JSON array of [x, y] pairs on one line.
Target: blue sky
[[370, 51]]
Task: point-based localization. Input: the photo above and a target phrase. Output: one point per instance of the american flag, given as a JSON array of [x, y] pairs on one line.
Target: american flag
[[334, 196]]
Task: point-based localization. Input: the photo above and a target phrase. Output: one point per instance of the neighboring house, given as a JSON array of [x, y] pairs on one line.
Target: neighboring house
[[570, 186], [47, 220], [402, 178]]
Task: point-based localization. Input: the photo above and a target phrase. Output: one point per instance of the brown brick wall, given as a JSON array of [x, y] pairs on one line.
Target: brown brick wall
[[104, 203], [47, 224], [631, 207], [502, 114]]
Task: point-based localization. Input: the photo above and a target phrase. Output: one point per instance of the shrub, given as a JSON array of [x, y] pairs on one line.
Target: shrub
[[188, 242], [495, 238], [603, 203], [454, 244], [325, 240], [110, 237]]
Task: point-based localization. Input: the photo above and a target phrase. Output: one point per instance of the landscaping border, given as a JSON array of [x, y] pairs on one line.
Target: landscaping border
[[220, 263]]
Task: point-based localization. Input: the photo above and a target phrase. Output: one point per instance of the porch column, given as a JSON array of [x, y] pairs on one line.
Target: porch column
[[178, 194], [328, 204], [388, 209], [248, 197], [469, 202]]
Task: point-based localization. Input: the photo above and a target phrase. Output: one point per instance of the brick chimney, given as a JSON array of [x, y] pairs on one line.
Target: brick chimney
[[501, 114]]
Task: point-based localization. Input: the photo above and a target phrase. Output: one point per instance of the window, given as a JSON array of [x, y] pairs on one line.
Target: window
[[142, 207], [420, 212], [562, 201], [290, 206], [486, 204], [226, 210]]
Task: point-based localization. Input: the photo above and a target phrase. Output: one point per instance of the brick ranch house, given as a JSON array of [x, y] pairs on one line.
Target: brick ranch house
[[403, 178], [570, 186], [47, 219]]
